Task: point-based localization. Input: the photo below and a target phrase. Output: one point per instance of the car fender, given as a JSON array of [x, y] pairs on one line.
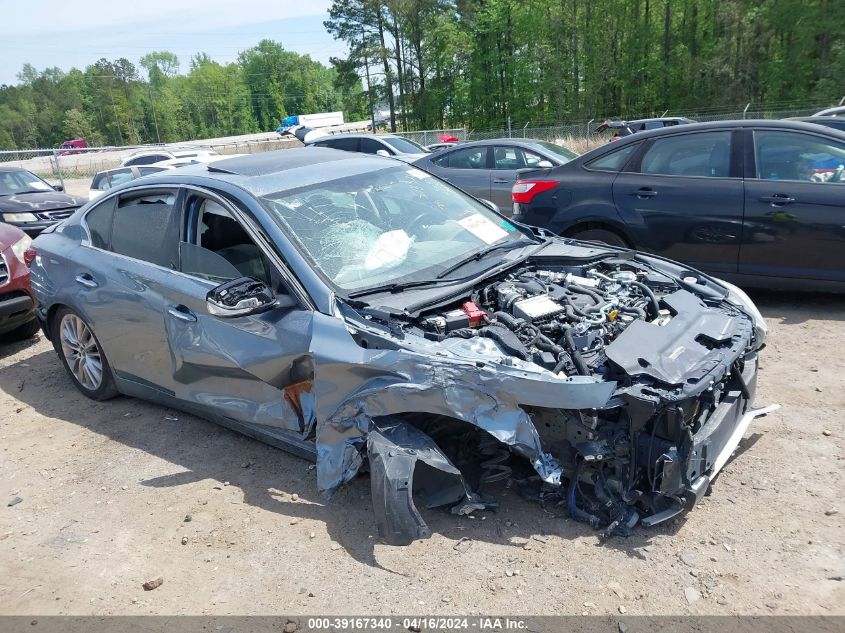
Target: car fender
[[590, 212]]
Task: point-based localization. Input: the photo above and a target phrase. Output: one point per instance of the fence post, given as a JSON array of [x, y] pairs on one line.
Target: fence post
[[588, 130], [748, 105], [58, 170], [509, 126]]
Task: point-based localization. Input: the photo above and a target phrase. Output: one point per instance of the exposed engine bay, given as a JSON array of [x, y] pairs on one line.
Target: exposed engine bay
[[683, 359]]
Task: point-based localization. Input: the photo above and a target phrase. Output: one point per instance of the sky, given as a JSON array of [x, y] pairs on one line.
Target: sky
[[75, 33]]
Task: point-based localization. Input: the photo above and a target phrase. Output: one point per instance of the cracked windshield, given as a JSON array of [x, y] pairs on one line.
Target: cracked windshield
[[399, 224]]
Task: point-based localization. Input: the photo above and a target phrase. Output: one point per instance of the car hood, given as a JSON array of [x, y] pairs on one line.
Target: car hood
[[9, 235], [41, 201]]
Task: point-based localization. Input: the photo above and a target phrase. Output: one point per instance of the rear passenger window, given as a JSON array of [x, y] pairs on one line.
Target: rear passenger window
[[144, 228], [99, 220], [371, 146], [466, 158], [146, 171], [614, 161], [345, 144], [699, 154]]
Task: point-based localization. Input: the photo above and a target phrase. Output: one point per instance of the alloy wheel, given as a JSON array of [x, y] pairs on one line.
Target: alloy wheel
[[81, 352]]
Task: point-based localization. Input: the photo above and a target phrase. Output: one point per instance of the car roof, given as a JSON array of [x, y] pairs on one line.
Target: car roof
[[658, 118], [831, 111], [12, 168], [269, 172], [351, 135], [639, 137], [720, 125], [501, 141]]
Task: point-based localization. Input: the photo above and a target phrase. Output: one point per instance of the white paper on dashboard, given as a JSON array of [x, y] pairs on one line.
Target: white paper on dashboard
[[484, 229]]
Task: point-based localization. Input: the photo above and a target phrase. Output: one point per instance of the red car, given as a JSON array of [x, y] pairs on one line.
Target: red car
[[17, 306]]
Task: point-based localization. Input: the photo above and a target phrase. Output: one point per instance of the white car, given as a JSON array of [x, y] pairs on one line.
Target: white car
[[111, 178], [151, 157]]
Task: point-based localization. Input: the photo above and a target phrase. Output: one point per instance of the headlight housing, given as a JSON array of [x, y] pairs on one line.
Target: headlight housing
[[19, 217], [19, 247], [738, 297]]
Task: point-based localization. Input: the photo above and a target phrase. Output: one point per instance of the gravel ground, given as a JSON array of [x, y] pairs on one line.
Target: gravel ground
[[114, 494]]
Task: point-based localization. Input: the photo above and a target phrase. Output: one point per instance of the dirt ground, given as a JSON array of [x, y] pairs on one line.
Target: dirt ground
[[110, 491]]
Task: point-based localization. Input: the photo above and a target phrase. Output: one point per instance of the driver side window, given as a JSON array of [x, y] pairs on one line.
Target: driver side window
[[216, 247]]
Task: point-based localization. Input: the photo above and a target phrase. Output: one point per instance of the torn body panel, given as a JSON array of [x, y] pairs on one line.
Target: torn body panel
[[358, 384], [631, 420], [395, 450]]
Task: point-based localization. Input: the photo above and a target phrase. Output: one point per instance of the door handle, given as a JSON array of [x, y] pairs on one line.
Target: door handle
[[85, 279], [182, 313], [644, 192], [778, 199], [501, 181]]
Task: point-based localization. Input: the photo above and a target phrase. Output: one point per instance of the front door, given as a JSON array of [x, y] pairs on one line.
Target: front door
[[255, 369], [682, 198], [794, 206]]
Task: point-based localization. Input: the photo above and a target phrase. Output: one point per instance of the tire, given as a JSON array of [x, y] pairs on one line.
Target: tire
[[600, 235], [82, 355], [22, 332]]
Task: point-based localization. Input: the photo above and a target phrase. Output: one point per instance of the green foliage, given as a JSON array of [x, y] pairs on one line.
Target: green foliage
[[449, 63], [109, 103], [478, 62]]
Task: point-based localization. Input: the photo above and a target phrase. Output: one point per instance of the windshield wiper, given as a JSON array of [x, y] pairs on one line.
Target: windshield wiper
[[391, 287], [476, 257]]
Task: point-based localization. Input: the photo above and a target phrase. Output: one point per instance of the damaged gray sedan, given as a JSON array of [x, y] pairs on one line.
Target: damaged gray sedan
[[364, 314]]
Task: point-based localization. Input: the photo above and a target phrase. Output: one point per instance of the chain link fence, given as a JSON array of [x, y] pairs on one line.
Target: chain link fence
[[583, 136], [74, 168]]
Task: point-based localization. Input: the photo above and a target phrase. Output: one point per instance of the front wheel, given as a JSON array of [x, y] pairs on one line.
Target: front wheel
[[600, 235], [83, 356]]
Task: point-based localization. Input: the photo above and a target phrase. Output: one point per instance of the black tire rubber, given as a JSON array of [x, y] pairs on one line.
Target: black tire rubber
[[107, 389], [22, 332], [600, 235]]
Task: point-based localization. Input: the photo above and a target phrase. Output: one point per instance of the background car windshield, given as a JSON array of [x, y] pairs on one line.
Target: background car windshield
[[564, 154], [405, 146], [393, 225], [13, 182]]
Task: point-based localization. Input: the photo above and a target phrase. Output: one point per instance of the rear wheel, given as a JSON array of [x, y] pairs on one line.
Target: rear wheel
[[82, 355], [22, 332], [600, 235]]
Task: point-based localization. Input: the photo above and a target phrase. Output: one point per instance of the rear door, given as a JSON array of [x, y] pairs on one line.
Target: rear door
[[794, 206], [682, 198], [465, 167], [130, 258]]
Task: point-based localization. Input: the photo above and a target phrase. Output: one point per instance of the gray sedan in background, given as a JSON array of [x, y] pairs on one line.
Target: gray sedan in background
[[488, 169]]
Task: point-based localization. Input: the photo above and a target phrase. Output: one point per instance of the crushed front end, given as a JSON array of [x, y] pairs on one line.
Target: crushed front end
[[676, 351]]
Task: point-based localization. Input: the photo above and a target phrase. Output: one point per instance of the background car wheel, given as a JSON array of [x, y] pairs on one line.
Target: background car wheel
[[600, 235], [22, 332], [82, 355]]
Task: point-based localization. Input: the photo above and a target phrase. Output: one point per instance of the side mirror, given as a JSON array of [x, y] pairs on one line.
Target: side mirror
[[382, 152], [239, 297], [58, 187], [490, 204], [545, 164]]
